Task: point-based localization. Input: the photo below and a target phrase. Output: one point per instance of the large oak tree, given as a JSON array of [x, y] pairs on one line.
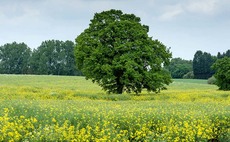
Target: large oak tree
[[116, 52]]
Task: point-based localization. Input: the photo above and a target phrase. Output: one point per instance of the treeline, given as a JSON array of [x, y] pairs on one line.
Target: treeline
[[198, 68], [52, 57]]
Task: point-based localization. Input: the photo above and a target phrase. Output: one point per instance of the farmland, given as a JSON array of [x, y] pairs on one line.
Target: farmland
[[61, 108]]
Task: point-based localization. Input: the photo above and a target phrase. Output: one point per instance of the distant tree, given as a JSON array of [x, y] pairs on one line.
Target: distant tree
[[36, 63], [14, 58], [70, 66], [202, 63], [219, 55], [225, 54], [116, 52], [222, 75], [179, 67], [54, 57]]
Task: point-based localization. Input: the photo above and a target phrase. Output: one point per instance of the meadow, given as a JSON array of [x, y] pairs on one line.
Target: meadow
[[62, 108]]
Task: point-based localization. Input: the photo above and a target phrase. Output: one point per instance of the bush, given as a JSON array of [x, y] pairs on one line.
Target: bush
[[212, 80], [189, 75], [222, 75]]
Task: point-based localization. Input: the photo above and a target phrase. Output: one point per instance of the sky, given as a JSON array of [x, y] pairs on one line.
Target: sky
[[185, 26]]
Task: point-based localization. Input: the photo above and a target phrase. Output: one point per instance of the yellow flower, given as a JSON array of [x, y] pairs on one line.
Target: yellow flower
[[54, 120], [6, 110], [34, 120], [10, 134]]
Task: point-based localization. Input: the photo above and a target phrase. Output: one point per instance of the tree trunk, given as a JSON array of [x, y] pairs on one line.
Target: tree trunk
[[120, 89], [120, 86]]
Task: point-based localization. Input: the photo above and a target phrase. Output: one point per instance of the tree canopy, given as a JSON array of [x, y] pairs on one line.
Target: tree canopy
[[14, 58], [54, 57], [179, 67], [222, 75], [225, 54], [116, 52], [202, 63], [51, 57]]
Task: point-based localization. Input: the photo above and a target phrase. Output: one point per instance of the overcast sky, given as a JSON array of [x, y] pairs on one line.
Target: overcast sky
[[184, 25]]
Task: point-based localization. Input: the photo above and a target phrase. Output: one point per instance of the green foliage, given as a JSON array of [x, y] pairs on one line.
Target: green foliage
[[189, 75], [116, 52], [14, 58], [54, 57], [179, 67], [212, 80], [225, 54], [202, 63], [222, 67]]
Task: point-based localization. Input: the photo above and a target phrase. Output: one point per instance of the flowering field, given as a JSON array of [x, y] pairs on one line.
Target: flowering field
[[55, 108]]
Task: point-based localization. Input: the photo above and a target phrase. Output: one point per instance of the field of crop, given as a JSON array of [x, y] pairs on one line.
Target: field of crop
[[60, 108]]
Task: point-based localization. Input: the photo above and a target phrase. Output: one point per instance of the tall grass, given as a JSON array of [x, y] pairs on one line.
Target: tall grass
[[49, 81], [74, 88]]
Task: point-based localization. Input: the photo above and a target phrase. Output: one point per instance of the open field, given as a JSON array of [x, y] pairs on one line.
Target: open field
[[60, 108]]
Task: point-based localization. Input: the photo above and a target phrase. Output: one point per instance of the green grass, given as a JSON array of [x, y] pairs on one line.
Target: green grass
[[45, 81], [81, 84], [74, 87], [189, 84], [67, 108]]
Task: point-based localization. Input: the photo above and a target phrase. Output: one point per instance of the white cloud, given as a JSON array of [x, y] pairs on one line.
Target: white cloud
[[200, 7], [208, 7], [171, 12], [18, 13]]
